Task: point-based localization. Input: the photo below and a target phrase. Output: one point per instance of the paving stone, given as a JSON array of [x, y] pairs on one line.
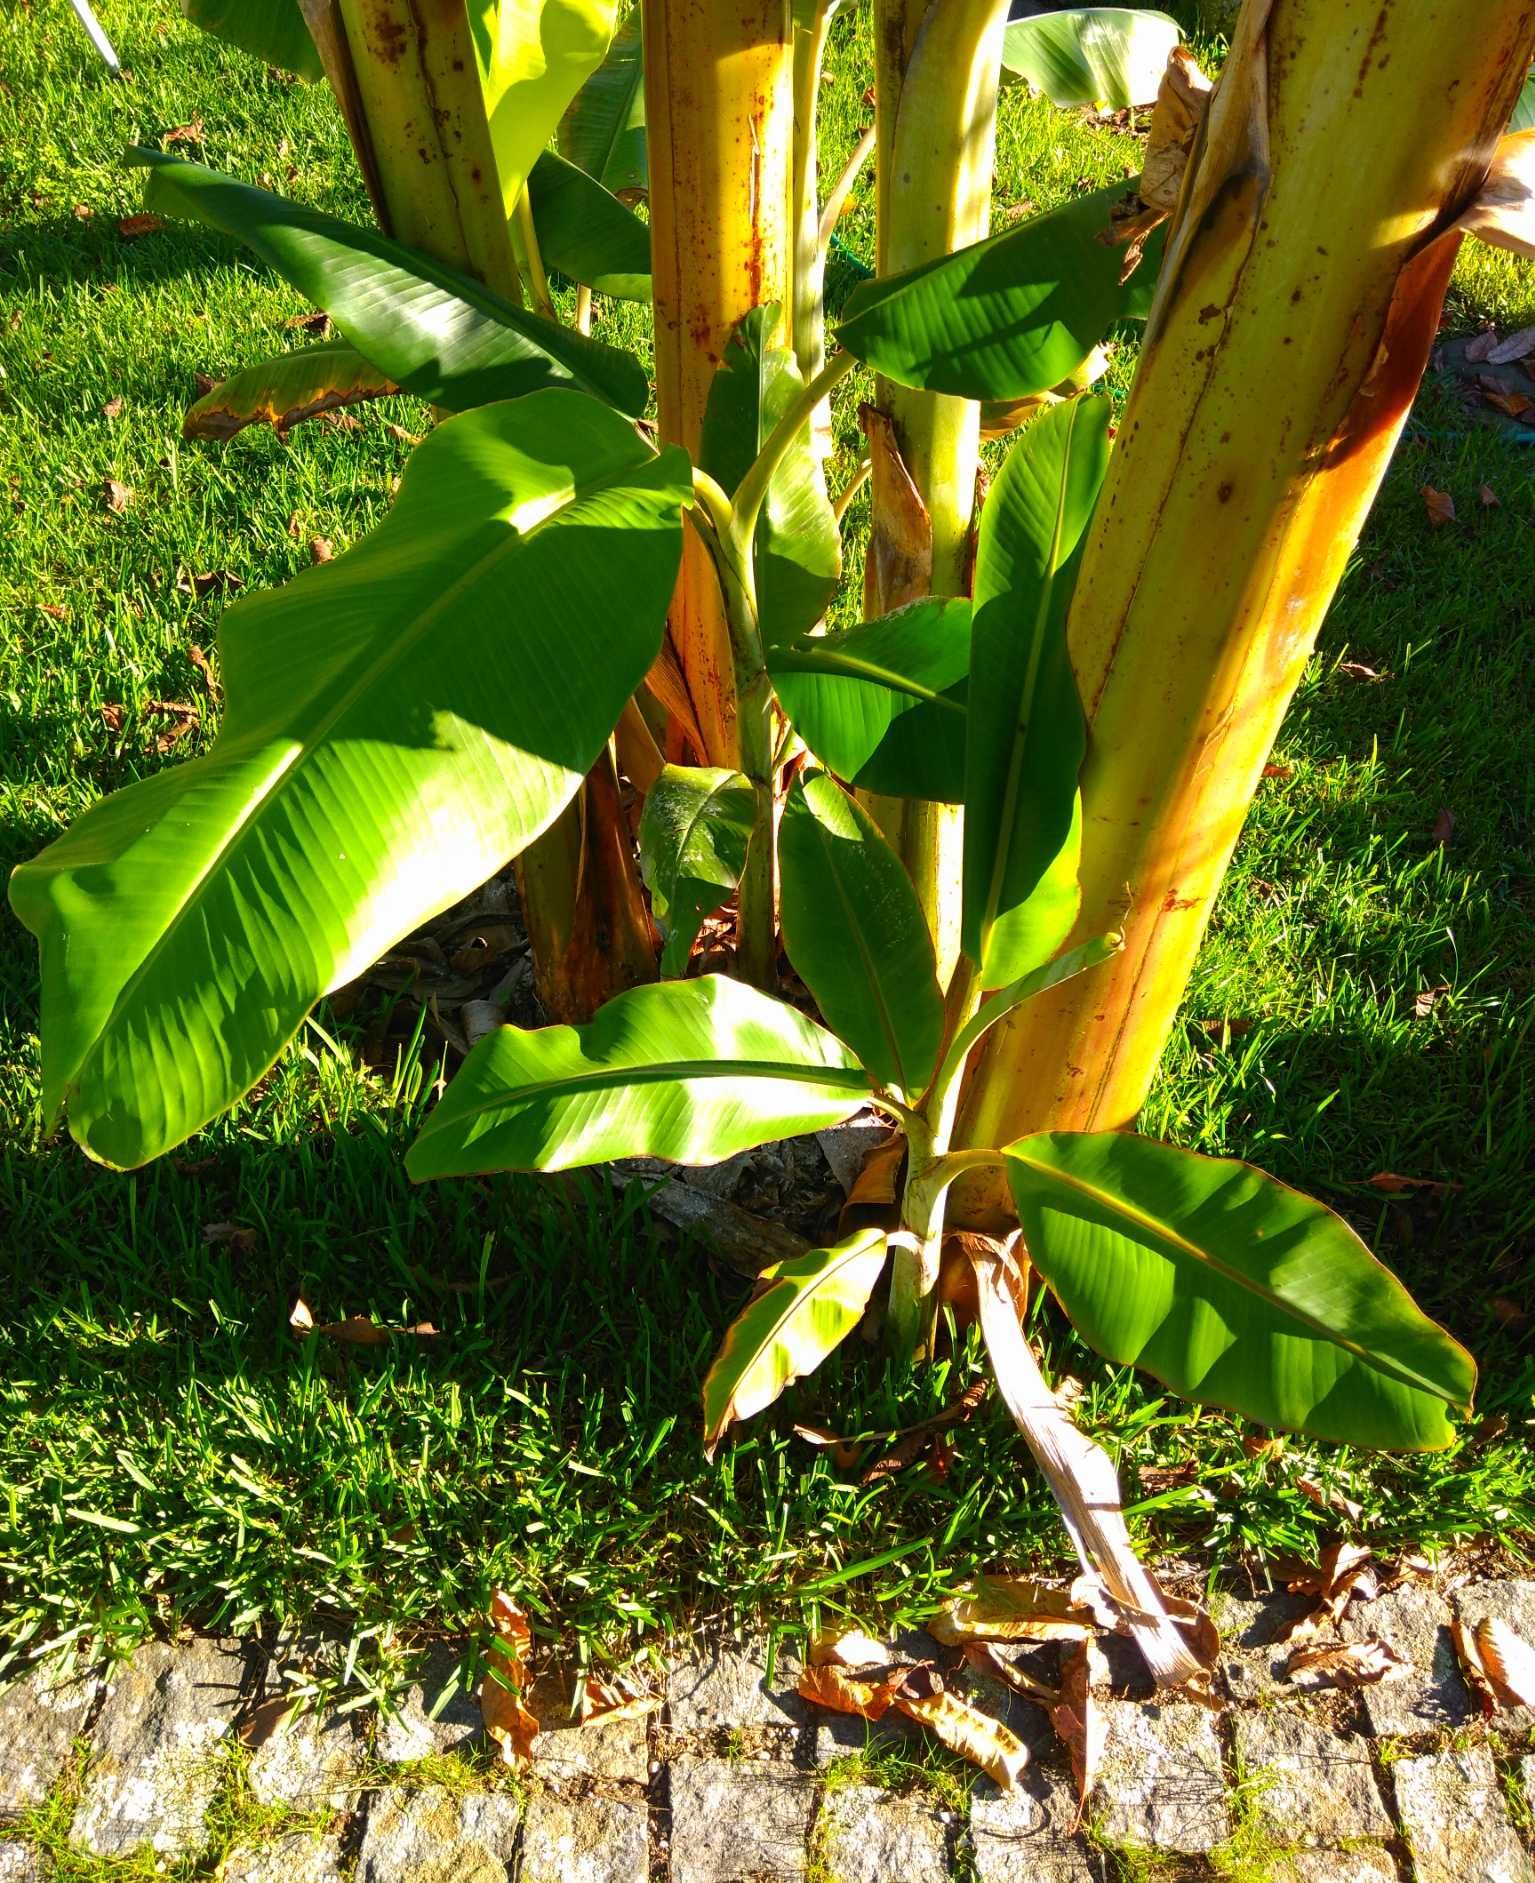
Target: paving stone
[[436, 1836], [587, 1840], [737, 1821], [614, 1749], [1320, 1789], [1456, 1821], [844, 1735], [1362, 1863], [728, 1686], [865, 1834], [154, 1767], [411, 1731], [18, 1864], [310, 1763], [1161, 1782], [297, 1857], [1024, 1836], [40, 1718], [1416, 1622], [1510, 1600], [1253, 1653]]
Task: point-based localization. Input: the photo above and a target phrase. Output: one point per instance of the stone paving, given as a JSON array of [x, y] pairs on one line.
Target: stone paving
[[172, 1761]]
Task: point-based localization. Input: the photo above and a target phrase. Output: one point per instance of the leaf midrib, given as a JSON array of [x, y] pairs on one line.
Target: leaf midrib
[[1116, 1202]]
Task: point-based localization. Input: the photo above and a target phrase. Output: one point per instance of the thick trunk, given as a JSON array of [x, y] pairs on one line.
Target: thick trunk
[[1304, 277], [936, 70], [719, 102]]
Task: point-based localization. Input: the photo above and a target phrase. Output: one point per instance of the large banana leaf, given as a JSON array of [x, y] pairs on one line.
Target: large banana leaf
[[1112, 56], [400, 722], [1007, 317], [273, 30], [882, 704], [805, 1307], [856, 934], [694, 831], [283, 392], [585, 232], [1234, 1289], [603, 129], [798, 547], [433, 331], [1026, 733], [694, 1071], [534, 57]]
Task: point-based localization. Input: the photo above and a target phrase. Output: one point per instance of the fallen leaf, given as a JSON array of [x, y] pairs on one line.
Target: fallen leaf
[[1228, 1029], [1499, 1664], [1014, 1608], [1159, 1478], [918, 1440], [357, 1330], [963, 1728], [1349, 1664], [266, 1720], [1480, 348], [1345, 1573], [849, 1647], [199, 585], [1357, 670], [317, 323], [320, 549], [400, 435], [604, 1701], [1508, 1311], [132, 227], [506, 1719], [1079, 1723], [1438, 506], [236, 1235], [988, 1661], [185, 133], [116, 497], [866, 1696], [204, 382], [1508, 400], [1329, 1500], [1279, 771], [1504, 211], [1489, 498], [1394, 1185], [339, 421], [845, 1452], [54, 611], [295, 525], [113, 407], [204, 666], [1427, 999], [1444, 827], [83, 212], [112, 714], [184, 720]]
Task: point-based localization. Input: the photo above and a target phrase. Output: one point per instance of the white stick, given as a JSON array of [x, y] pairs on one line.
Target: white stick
[[98, 38]]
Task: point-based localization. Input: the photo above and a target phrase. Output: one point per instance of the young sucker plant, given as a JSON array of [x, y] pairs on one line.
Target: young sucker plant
[[404, 721]]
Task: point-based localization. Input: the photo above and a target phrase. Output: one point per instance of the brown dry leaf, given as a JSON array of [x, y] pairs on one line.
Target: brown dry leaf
[[1159, 1478], [1499, 1664], [1438, 506], [845, 1452], [603, 1701], [132, 227], [848, 1647], [1016, 1608], [184, 719], [963, 1728], [1489, 498], [400, 435], [871, 1203], [55, 611], [1175, 120], [317, 323], [869, 1697], [1232, 1029], [357, 1330], [1279, 771], [1394, 1185], [205, 583], [918, 1441], [115, 496], [1345, 1572], [238, 1236], [112, 716], [320, 549], [185, 133], [1078, 1722], [1349, 1664], [1427, 999], [1444, 827], [204, 666], [1329, 1500], [1504, 213], [1480, 348], [1357, 670], [988, 1661], [113, 407], [506, 1719], [901, 546], [83, 212], [204, 383], [1508, 400]]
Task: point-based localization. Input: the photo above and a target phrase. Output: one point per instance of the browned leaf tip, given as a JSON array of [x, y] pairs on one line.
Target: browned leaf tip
[[1348, 1664], [1438, 506]]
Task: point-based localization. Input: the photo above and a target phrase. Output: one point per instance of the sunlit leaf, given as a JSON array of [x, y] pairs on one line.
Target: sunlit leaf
[[284, 391], [586, 233], [694, 831], [1111, 56], [603, 130], [273, 30]]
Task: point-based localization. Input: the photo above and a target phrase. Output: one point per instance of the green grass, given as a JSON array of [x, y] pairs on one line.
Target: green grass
[[170, 1449]]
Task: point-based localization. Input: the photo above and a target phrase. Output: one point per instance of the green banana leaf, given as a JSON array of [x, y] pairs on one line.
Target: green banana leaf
[[806, 1306], [586, 233], [694, 1071], [1234, 1289], [284, 391], [603, 129], [1110, 56], [433, 331], [274, 30], [400, 722], [694, 831], [1027, 737], [798, 546], [534, 57], [1010, 316], [856, 934], [882, 704]]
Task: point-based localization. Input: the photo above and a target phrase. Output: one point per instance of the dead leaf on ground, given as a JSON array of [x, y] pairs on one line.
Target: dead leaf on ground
[[507, 1720], [183, 719], [1511, 401], [357, 1330], [845, 1452], [1017, 1608], [320, 549], [112, 716], [1394, 1184], [1159, 1478], [1078, 1721], [869, 1694], [990, 1662], [1233, 1028], [963, 1728], [1349, 1664], [1489, 498], [1357, 670], [1499, 1664], [204, 666], [601, 1702], [204, 583], [917, 1441], [184, 133], [83, 212], [1438, 506], [144, 223], [317, 323], [400, 435], [113, 407], [1427, 999], [1329, 1500], [115, 496], [1345, 1573], [237, 1236], [1443, 828], [1480, 347], [847, 1647], [1279, 771]]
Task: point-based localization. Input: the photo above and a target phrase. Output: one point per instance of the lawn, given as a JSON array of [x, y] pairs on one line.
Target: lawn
[[170, 1449]]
